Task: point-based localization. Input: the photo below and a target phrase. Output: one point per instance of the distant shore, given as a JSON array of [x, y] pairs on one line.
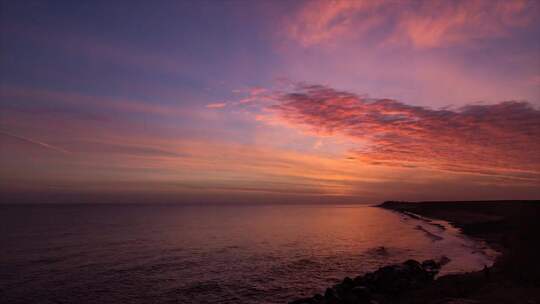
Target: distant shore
[[510, 227]]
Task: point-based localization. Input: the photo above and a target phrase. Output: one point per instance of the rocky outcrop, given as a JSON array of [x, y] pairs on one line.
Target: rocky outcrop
[[379, 286]]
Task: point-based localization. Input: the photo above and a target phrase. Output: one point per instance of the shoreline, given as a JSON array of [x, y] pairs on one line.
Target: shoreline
[[507, 227], [477, 245]]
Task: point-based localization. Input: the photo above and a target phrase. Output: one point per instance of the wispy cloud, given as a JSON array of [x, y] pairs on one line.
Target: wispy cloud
[[323, 21], [138, 150], [492, 139], [217, 105], [423, 24], [35, 142], [35, 97]]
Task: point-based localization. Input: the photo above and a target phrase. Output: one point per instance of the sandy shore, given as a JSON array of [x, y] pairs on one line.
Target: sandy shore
[[510, 227]]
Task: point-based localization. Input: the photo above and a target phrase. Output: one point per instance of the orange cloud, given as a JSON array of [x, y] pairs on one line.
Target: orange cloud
[[217, 105], [499, 139]]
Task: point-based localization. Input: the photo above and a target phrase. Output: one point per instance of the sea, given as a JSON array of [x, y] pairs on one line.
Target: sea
[[152, 253]]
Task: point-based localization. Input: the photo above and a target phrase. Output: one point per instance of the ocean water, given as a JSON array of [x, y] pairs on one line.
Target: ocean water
[[208, 254]]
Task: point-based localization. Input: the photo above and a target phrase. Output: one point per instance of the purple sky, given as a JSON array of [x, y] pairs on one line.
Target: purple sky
[[269, 101]]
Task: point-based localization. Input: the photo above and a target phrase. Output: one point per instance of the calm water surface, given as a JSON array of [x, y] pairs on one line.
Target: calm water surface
[[207, 254]]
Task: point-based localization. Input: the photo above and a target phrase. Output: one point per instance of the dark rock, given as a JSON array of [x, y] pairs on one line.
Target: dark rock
[[413, 264], [381, 251], [386, 282], [344, 287], [359, 280], [444, 260], [361, 292], [347, 283], [430, 265], [329, 294], [351, 298], [304, 301]]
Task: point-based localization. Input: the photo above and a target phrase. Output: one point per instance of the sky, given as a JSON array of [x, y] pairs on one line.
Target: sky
[[269, 101]]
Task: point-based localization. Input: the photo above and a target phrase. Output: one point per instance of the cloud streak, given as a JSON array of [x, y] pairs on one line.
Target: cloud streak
[[496, 139], [36, 142]]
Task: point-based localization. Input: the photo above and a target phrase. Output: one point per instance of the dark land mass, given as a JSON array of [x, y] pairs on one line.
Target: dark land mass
[[510, 227]]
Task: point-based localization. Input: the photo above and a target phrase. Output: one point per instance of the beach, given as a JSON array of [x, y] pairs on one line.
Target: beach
[[510, 227]]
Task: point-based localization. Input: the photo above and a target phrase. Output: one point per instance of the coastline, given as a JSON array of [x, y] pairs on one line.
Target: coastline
[[509, 227], [482, 253]]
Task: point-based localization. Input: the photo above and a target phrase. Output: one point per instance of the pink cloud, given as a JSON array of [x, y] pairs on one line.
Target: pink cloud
[[497, 139], [322, 21], [436, 24], [217, 105], [423, 24], [250, 95]]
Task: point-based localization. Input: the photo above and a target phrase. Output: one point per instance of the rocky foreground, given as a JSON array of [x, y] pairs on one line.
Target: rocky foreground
[[511, 227], [381, 286]]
